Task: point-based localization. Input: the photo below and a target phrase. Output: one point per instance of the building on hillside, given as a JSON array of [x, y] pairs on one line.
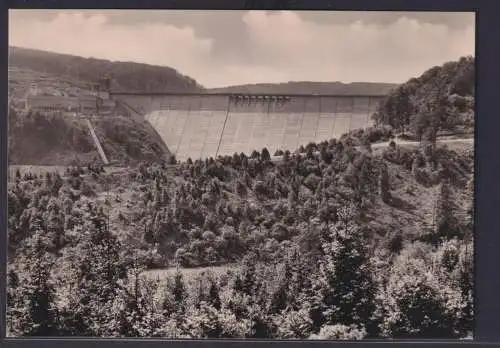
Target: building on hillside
[[88, 104], [52, 103]]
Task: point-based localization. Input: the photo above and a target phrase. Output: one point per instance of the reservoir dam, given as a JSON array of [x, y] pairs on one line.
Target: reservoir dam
[[208, 125]]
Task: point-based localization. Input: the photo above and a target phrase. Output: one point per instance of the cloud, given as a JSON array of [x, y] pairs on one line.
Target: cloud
[[356, 51], [258, 46]]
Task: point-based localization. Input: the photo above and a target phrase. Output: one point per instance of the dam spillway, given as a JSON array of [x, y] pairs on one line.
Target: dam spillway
[[208, 125]]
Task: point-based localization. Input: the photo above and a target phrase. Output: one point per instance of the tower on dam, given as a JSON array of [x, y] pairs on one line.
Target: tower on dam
[[207, 125]]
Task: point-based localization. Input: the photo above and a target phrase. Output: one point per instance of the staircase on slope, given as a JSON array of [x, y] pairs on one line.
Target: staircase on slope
[[97, 143]]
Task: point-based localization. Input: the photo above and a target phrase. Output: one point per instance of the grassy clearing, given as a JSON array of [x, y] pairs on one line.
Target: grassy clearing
[[450, 143]]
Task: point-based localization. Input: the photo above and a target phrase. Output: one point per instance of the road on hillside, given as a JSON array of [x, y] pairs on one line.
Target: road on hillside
[[439, 141], [398, 142]]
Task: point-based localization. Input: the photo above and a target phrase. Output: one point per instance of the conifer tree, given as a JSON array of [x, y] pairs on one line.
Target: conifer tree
[[384, 185], [13, 309], [99, 272], [348, 290], [466, 286], [446, 224], [38, 312], [179, 292], [247, 282], [139, 315], [213, 294], [470, 206], [280, 299], [265, 155]]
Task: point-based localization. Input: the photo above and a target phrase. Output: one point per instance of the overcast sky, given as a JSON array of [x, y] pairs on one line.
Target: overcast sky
[[220, 48]]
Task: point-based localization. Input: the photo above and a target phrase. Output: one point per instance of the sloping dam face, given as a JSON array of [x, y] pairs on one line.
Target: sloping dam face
[[204, 125]]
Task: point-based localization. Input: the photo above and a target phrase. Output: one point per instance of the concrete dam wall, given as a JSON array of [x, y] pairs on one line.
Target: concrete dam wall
[[208, 125]]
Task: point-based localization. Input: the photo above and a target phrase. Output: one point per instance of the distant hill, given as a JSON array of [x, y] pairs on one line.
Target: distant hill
[[441, 99], [136, 77], [305, 87], [124, 75]]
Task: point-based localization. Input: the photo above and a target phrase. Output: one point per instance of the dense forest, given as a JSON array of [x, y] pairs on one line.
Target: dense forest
[[345, 244], [128, 76], [440, 100], [338, 240]]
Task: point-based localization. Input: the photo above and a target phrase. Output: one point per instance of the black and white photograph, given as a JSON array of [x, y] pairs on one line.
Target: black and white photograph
[[278, 175]]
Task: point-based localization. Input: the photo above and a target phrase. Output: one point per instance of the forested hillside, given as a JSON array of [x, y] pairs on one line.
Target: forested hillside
[[305, 87], [440, 100], [54, 139], [51, 138], [339, 243], [128, 76], [338, 240]]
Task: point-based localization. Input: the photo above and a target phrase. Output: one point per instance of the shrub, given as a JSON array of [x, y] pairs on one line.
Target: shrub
[[416, 303], [294, 324], [340, 332]]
